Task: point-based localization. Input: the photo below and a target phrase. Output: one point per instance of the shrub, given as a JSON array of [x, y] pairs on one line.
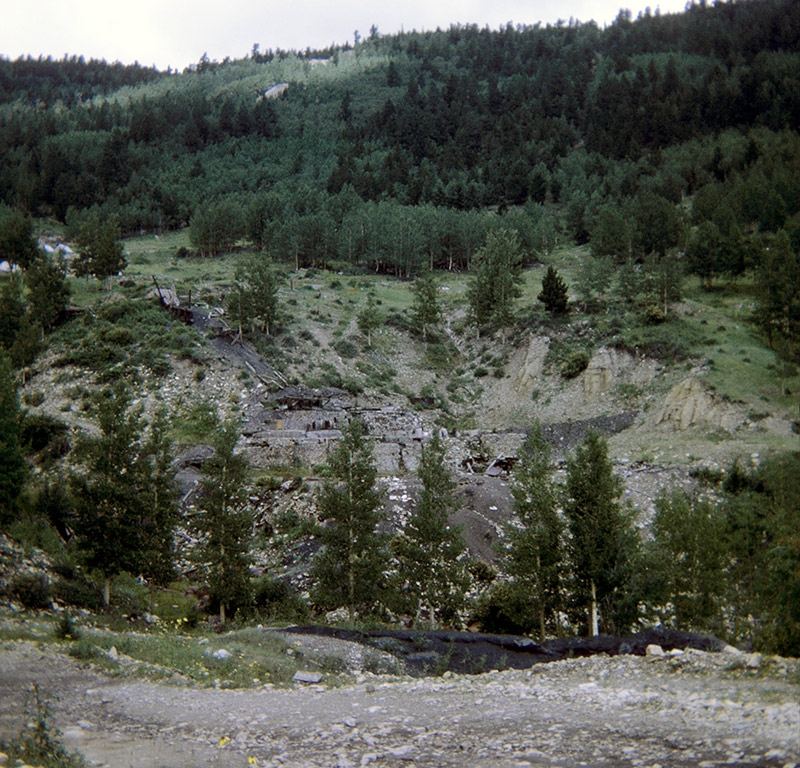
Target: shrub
[[575, 364], [78, 593], [346, 349], [33, 398], [32, 590], [276, 599], [66, 629], [40, 431], [84, 650], [654, 315], [505, 609]]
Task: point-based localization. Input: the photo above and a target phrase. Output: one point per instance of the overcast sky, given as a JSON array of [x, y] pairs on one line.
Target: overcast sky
[[177, 32]]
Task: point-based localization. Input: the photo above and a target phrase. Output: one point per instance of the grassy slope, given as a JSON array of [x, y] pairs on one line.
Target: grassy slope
[[714, 330]]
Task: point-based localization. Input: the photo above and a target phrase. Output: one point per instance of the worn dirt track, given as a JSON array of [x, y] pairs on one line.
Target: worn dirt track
[[600, 711]]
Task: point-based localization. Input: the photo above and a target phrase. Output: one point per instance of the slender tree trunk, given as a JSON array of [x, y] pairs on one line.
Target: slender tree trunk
[[222, 612], [106, 591], [595, 630]]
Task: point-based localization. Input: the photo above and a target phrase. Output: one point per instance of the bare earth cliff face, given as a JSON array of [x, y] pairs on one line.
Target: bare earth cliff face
[[688, 710]]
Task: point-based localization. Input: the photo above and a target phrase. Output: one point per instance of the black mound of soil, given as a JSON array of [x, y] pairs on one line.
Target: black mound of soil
[[435, 652]]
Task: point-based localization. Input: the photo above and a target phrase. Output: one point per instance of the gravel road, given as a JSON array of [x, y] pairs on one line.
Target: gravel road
[[686, 710]]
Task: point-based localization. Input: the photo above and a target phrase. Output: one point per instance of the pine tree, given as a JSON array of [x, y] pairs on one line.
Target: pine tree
[[602, 543], [48, 291], [554, 292], [108, 495], [369, 319], [12, 310], [495, 277], [536, 557], [17, 243], [777, 283], [349, 570], [99, 244], [429, 549], [224, 521], [13, 467], [159, 515], [425, 310]]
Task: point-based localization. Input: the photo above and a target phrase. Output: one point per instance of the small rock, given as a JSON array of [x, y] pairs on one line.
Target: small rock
[[350, 722], [654, 651], [403, 753], [307, 677], [731, 651], [84, 725], [222, 654], [754, 661], [112, 653]]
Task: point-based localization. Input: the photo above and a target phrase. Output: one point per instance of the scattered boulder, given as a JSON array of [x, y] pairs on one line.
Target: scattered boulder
[[307, 677]]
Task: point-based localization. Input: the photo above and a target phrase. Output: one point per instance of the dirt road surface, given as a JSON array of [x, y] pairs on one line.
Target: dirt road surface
[[688, 711]]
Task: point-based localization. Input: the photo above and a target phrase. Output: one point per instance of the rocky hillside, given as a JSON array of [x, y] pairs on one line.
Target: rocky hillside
[[666, 421]]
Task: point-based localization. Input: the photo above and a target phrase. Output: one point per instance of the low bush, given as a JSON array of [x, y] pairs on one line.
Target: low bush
[[32, 590], [78, 593], [575, 364], [277, 600]]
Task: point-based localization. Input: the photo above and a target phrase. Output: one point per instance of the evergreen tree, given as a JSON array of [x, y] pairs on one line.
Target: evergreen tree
[[160, 513], [17, 243], [99, 245], [429, 550], [369, 319], [13, 467], [425, 310], [495, 277], [536, 557], [778, 293], [48, 291], [595, 277], [658, 225], [684, 561], [349, 570], [762, 553], [119, 526], [705, 253], [12, 310], [602, 541], [554, 292], [225, 522], [609, 235]]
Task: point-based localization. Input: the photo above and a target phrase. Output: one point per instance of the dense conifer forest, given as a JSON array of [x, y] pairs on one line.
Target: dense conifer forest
[[413, 135]]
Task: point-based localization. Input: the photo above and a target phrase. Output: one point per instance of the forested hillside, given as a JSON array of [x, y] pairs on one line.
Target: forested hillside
[[637, 116]]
